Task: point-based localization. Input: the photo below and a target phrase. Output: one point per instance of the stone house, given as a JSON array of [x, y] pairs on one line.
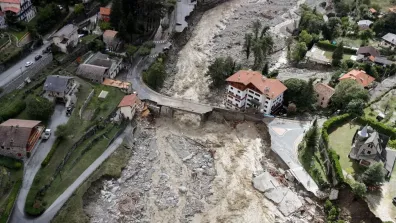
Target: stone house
[[369, 147], [58, 86], [18, 137], [100, 66], [66, 38], [128, 106], [323, 94]]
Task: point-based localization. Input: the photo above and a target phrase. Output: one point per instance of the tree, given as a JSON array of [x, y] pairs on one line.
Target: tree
[[332, 29], [359, 189], [366, 34], [346, 91], [78, 8], [299, 92], [343, 8], [355, 107], [130, 49], [338, 55], [39, 108], [265, 70], [116, 13], [247, 44], [154, 77], [97, 45], [104, 25], [220, 70], [299, 51], [305, 37], [311, 21], [61, 131], [374, 175]]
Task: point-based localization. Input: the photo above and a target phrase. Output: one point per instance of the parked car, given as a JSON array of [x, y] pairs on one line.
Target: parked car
[[38, 57], [28, 64], [46, 134]]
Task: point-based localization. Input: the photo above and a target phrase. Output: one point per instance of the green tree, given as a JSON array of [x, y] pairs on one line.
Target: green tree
[[116, 14], [332, 29], [130, 49], [247, 44], [61, 131], [355, 107], [359, 189], [39, 108], [78, 8], [311, 21], [154, 77], [366, 34], [220, 70], [374, 175], [305, 37], [104, 25], [265, 70], [97, 45], [299, 92], [338, 55], [343, 8], [346, 91], [299, 51]]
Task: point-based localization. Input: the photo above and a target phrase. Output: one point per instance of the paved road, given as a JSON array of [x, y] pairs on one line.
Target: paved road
[[285, 137], [19, 67], [34, 163]]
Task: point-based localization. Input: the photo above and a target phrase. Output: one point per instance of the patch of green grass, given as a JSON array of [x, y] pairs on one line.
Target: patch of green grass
[[341, 142], [9, 187], [329, 54], [18, 34], [388, 103], [72, 211], [3, 40], [89, 38], [384, 4]]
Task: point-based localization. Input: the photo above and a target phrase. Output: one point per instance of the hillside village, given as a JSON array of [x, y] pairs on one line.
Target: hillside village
[[197, 111]]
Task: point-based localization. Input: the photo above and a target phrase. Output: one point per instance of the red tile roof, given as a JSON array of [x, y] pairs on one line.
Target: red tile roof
[[359, 76], [270, 87], [324, 90], [11, 1], [372, 10], [110, 33], [128, 100], [103, 11], [12, 9]]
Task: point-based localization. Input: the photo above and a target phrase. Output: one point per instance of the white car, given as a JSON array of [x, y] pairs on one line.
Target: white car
[[28, 64], [46, 134]]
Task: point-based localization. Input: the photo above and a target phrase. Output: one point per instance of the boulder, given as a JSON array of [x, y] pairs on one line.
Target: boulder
[[265, 182]]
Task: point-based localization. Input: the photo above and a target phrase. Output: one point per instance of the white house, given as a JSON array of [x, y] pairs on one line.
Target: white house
[[23, 9], [66, 38], [248, 88], [128, 106]]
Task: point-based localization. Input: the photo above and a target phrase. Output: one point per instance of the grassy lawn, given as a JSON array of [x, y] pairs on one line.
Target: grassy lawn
[[72, 211], [76, 127], [340, 141], [3, 40], [384, 4], [18, 34], [329, 55], [88, 38]]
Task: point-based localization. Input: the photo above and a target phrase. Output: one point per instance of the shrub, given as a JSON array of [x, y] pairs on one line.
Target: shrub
[[51, 153], [326, 45], [144, 51], [380, 127], [10, 163], [12, 110], [149, 44], [334, 159], [359, 189]]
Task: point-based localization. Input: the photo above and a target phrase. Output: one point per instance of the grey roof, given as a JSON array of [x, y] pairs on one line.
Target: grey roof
[[66, 31], [102, 63], [91, 71], [368, 50], [365, 22], [382, 60], [390, 37], [56, 83]]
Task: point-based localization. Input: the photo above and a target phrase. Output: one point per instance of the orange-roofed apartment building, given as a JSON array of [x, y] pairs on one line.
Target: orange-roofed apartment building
[[248, 88], [323, 94], [359, 76], [104, 14], [22, 9], [18, 137]]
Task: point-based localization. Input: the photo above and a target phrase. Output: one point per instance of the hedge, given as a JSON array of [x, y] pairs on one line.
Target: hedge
[[331, 124], [335, 161], [10, 162], [326, 45], [51, 153], [10, 202], [378, 126], [12, 111]]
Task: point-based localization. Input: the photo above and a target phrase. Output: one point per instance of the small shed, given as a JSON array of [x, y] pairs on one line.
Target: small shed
[[103, 94]]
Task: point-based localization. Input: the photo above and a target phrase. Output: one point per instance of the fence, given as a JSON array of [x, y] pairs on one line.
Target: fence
[[28, 73], [86, 103]]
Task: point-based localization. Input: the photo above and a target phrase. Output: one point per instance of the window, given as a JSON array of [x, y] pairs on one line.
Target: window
[[369, 152], [321, 103], [231, 88], [239, 91], [323, 98], [2, 147], [256, 94], [8, 148]]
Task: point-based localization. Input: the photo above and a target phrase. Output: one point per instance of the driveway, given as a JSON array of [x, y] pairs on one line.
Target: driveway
[[34, 163], [285, 137], [19, 67]]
